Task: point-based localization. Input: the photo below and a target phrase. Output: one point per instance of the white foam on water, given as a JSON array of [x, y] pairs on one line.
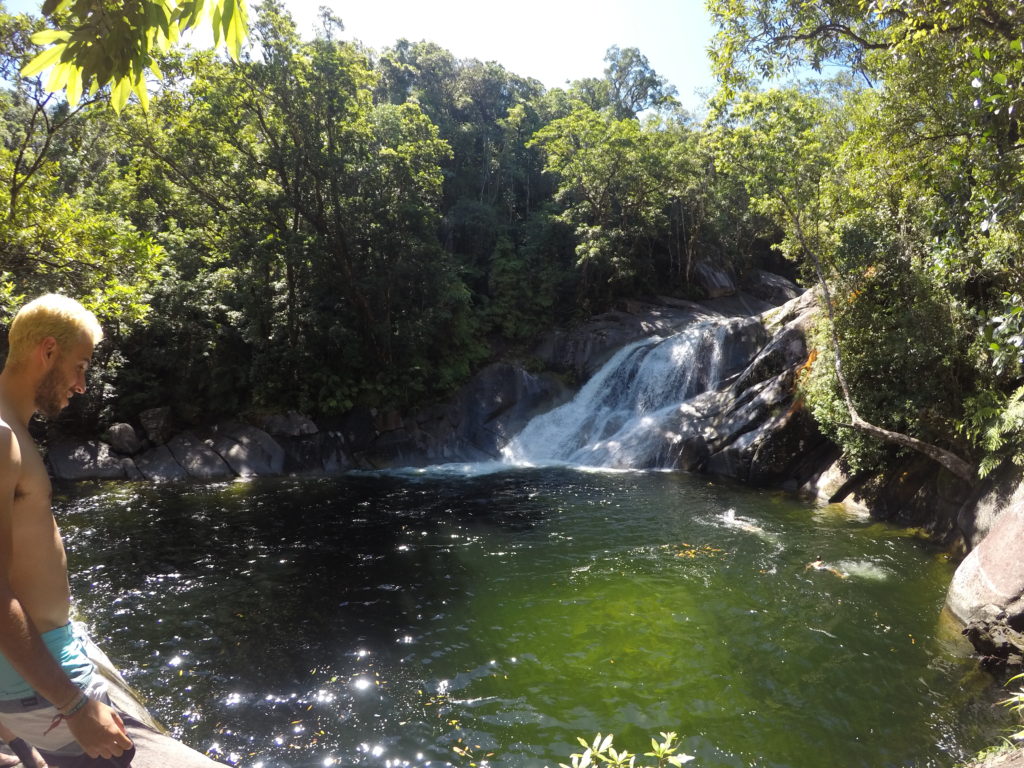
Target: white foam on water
[[863, 569], [627, 415]]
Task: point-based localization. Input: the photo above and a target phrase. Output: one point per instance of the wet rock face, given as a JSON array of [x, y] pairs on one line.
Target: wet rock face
[[997, 643], [581, 351], [987, 590], [486, 413], [123, 439], [712, 280], [989, 584], [756, 430]]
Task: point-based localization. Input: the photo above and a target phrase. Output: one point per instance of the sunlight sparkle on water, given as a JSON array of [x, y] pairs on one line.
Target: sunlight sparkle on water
[[361, 683]]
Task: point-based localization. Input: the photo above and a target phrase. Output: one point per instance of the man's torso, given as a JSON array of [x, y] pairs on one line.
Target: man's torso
[[37, 563]]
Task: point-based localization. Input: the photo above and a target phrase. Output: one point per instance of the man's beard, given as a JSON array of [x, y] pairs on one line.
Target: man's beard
[[49, 398]]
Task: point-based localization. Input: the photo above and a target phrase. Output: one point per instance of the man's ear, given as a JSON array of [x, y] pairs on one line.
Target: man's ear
[[48, 350]]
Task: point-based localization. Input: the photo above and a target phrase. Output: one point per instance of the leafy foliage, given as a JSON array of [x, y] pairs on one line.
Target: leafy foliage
[[905, 185], [97, 42], [1015, 702], [603, 752]]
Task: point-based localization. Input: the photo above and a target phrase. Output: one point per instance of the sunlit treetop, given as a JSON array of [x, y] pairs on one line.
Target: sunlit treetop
[[768, 38], [95, 43]]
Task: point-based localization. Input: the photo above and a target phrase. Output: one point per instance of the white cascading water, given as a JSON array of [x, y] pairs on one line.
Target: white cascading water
[[623, 417]]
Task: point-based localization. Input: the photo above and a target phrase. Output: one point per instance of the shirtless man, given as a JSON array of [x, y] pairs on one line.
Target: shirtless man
[[50, 693], [819, 564]]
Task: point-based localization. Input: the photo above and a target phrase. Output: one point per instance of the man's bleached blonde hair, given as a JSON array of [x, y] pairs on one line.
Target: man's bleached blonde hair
[[51, 315]]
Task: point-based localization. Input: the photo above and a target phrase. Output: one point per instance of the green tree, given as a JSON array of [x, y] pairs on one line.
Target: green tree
[[633, 86], [52, 238], [95, 42], [789, 148], [311, 218]]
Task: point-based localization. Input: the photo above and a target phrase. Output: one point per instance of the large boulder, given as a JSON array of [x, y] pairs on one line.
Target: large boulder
[[784, 352], [85, 461], [158, 424], [197, 458], [247, 450], [999, 491], [830, 480], [770, 287], [158, 465], [712, 280], [992, 574], [989, 631], [764, 441], [123, 439], [753, 429], [738, 304]]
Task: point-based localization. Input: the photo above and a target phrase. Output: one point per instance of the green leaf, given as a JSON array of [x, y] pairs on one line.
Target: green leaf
[[47, 36], [52, 6], [74, 88], [1000, 78], [119, 93], [47, 58], [59, 76]]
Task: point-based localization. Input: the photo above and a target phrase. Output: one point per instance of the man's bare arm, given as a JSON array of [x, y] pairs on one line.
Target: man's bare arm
[[95, 726]]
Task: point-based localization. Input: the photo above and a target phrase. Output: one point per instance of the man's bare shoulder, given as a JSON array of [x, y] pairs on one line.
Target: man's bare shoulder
[[10, 446], [10, 460]]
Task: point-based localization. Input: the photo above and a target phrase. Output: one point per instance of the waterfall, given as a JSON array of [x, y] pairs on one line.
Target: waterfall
[[627, 413]]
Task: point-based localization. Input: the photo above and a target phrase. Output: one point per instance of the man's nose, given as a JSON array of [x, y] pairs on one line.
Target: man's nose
[[79, 386]]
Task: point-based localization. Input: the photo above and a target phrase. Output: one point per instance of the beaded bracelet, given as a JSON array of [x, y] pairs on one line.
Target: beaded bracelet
[[69, 702], [70, 709]]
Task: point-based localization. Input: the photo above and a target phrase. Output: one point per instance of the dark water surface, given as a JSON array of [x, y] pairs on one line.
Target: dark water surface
[[389, 620]]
